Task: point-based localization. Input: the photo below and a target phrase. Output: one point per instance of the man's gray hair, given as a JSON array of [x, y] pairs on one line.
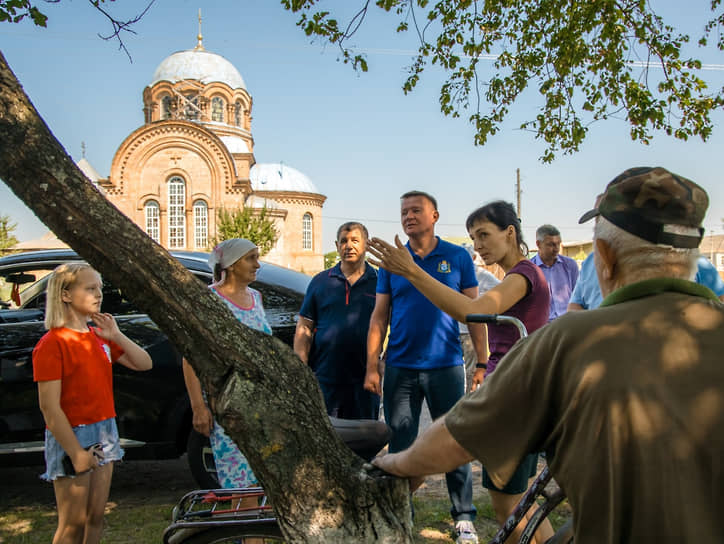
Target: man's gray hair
[[352, 225], [640, 260], [546, 230]]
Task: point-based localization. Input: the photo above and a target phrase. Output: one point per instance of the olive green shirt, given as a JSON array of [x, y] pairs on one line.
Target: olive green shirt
[[627, 401]]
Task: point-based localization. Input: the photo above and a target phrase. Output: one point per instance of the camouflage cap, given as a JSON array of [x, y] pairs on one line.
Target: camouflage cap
[[656, 205]]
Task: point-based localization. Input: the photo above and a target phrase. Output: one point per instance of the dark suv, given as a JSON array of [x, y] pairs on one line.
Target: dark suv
[[153, 412]]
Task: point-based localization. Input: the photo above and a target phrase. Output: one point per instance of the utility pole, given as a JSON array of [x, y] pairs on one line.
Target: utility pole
[[517, 189]]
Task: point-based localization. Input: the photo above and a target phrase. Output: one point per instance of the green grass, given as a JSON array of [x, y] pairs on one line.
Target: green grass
[[132, 523]]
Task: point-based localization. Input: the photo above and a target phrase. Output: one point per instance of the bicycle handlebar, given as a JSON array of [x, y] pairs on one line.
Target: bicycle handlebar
[[497, 319]]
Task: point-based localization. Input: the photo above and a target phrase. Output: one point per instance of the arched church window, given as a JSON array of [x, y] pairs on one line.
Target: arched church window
[[152, 217], [166, 107], [217, 109], [176, 213], [201, 225], [307, 231], [237, 113]]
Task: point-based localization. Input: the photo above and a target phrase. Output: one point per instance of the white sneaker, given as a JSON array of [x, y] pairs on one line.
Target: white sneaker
[[465, 533]]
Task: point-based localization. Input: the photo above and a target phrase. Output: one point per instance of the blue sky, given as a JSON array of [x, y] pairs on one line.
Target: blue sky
[[357, 136]]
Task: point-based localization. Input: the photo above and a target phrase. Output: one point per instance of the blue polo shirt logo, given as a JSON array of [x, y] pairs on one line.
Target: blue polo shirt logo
[[443, 267]]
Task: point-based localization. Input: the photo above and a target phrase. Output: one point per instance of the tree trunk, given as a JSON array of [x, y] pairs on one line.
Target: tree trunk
[[266, 399]]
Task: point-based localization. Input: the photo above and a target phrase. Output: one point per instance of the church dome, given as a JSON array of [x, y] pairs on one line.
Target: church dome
[[199, 65], [277, 176]]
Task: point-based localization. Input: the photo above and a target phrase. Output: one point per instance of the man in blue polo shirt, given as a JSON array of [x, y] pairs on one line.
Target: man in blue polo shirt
[[331, 333], [424, 358]]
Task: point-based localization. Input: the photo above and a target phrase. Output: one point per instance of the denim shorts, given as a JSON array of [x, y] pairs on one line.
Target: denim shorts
[[103, 432]]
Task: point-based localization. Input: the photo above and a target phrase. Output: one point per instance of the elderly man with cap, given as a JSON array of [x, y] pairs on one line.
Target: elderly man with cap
[[626, 400]]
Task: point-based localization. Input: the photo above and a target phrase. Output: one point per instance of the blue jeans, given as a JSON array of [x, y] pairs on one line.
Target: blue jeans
[[403, 393]]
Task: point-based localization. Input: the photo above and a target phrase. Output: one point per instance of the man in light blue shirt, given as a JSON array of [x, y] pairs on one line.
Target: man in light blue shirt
[[707, 275], [561, 272], [587, 294]]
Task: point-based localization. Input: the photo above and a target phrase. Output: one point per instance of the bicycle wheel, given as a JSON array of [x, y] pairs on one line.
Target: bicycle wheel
[[257, 533]]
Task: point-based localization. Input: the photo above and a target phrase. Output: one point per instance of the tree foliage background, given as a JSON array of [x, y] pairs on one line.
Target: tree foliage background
[[586, 61], [7, 236], [330, 259], [250, 223], [7, 240]]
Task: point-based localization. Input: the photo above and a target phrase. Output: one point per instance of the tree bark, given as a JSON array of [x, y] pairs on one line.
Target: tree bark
[[266, 399]]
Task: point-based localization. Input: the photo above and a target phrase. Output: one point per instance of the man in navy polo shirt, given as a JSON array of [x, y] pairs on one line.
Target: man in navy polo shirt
[[331, 333], [424, 358]]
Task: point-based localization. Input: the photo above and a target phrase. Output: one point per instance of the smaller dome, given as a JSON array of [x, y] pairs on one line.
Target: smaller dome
[[198, 65], [235, 144], [279, 177]]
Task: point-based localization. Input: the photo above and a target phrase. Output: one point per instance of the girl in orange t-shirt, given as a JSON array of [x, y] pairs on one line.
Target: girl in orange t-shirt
[[72, 365]]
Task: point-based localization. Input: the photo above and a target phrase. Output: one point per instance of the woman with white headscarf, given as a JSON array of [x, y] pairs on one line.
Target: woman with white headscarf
[[234, 263]]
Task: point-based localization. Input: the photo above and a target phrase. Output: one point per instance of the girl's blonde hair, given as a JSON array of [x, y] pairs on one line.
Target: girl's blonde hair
[[62, 278]]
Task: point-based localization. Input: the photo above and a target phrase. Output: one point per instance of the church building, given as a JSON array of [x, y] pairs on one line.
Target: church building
[[194, 155]]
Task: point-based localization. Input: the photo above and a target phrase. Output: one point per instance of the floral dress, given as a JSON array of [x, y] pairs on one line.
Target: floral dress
[[232, 468]]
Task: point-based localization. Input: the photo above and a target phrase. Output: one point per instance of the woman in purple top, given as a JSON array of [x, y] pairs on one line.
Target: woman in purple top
[[523, 293]]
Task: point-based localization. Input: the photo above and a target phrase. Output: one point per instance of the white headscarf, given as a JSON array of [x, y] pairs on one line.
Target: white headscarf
[[227, 253]]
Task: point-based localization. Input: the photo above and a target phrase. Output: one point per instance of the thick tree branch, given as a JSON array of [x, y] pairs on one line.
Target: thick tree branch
[[267, 400]]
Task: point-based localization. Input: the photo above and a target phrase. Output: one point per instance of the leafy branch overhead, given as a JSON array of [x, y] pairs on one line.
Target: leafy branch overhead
[[14, 11], [587, 61]]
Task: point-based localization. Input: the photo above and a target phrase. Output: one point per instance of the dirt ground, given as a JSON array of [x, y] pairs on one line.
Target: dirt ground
[[151, 482], [156, 482]]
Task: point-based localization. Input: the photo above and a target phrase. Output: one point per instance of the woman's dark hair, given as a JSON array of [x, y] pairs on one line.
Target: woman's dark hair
[[501, 214]]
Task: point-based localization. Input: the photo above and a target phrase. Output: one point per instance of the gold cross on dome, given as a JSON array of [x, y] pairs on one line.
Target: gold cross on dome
[[199, 45]]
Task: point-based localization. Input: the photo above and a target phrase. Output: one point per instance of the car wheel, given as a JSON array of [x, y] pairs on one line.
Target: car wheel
[[201, 461]]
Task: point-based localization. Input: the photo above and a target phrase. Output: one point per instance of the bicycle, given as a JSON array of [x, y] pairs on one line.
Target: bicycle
[[552, 497], [215, 516]]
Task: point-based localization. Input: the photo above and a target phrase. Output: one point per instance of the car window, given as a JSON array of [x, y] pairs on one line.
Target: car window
[[280, 304], [115, 303], [20, 287], [25, 288]]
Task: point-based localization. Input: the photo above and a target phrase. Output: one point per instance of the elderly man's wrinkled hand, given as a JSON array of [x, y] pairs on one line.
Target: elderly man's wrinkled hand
[[389, 464]]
